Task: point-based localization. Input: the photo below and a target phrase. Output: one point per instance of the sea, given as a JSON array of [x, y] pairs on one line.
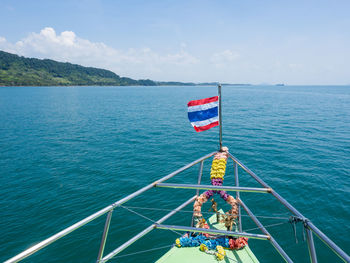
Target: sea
[[67, 152]]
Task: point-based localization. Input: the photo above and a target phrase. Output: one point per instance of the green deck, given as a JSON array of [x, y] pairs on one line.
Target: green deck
[[194, 255]]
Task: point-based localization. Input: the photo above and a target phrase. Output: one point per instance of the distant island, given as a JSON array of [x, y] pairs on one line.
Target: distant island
[[21, 71]]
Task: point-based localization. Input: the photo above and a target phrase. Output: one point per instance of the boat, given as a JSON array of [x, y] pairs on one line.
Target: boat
[[212, 240]]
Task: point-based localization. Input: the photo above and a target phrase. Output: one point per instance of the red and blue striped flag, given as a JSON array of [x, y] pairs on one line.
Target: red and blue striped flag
[[203, 114]]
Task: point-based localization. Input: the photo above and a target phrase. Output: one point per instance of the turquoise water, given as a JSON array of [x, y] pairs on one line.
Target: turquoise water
[[67, 152]]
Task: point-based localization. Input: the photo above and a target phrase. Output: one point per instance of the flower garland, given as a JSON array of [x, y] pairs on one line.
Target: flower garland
[[217, 173], [208, 244]]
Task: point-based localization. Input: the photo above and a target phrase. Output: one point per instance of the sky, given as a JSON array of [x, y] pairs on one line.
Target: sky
[[259, 42]]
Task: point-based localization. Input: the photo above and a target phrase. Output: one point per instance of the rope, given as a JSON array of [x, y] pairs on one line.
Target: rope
[[168, 246], [272, 225], [159, 209], [145, 217], [187, 211], [142, 251]]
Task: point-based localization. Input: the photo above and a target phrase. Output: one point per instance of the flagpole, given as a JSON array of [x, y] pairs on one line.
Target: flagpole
[[220, 117]]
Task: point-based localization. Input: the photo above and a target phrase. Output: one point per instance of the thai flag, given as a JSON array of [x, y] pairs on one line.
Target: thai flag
[[203, 114]]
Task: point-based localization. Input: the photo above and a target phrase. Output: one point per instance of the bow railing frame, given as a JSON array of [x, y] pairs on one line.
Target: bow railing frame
[[308, 225]]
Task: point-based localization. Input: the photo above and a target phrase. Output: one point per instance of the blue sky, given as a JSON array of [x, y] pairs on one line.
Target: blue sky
[[292, 42]]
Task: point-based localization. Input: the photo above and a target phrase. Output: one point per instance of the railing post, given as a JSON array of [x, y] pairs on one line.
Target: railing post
[[311, 245], [104, 236], [238, 198], [337, 250], [263, 229], [200, 172], [145, 231], [200, 176]]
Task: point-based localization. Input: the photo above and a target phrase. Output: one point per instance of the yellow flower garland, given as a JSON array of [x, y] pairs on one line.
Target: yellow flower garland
[[218, 169]]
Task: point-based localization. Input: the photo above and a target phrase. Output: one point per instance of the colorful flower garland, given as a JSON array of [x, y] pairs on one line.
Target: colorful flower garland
[[209, 244], [217, 173], [205, 242]]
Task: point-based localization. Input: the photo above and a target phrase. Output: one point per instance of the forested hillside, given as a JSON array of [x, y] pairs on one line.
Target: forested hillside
[[20, 71]]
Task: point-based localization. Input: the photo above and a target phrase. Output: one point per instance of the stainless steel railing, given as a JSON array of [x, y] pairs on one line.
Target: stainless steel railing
[[26, 253], [310, 228]]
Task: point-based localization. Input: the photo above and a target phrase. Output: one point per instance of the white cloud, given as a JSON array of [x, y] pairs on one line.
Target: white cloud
[[68, 47], [223, 58], [290, 61]]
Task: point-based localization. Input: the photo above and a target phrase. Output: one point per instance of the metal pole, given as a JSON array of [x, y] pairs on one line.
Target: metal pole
[[200, 176], [57, 236], [66, 231], [213, 231], [337, 250], [274, 193], [162, 179], [220, 117], [263, 229], [199, 182], [144, 232], [311, 245], [104, 235], [214, 187], [238, 198], [245, 168]]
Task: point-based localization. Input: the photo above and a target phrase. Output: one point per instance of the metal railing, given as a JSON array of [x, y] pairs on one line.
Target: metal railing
[[310, 228]]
